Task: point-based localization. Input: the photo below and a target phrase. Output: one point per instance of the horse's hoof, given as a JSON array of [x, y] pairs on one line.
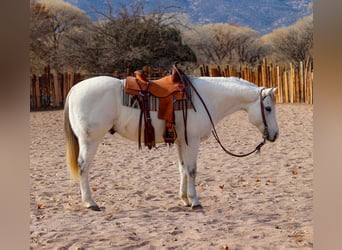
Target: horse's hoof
[[94, 208], [197, 207]]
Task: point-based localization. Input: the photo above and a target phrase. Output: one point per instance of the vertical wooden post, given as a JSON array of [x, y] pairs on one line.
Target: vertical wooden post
[[264, 72], [202, 72], [245, 74], [160, 72], [38, 91], [214, 72], [219, 70], [52, 91], [311, 87], [297, 85], [57, 91], [72, 82], [291, 79], [280, 87], [302, 82], [65, 86], [61, 87], [32, 91], [230, 71], [286, 87]]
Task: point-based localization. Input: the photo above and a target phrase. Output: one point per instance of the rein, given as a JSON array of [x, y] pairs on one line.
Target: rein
[[257, 148], [214, 132]]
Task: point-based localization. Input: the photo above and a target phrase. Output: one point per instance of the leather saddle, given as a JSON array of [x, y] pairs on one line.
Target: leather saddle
[[168, 89]]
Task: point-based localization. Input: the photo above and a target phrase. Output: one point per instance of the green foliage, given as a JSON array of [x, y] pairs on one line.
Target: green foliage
[[133, 40], [64, 37], [128, 40]]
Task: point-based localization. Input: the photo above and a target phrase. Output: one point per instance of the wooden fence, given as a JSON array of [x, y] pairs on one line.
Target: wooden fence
[[295, 85], [48, 91]]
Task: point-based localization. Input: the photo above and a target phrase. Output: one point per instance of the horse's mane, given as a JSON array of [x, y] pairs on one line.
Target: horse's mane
[[226, 82], [228, 86]]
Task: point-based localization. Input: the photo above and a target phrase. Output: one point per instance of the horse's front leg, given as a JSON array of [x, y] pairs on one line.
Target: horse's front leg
[[187, 160], [183, 188]]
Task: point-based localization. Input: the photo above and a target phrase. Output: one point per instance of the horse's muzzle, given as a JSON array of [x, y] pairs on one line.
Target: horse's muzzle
[[272, 138]]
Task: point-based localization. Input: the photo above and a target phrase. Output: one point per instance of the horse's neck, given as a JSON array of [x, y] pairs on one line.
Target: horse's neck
[[226, 95]]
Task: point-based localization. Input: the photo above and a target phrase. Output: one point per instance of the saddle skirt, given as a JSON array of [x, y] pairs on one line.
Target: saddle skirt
[[164, 95], [130, 101], [165, 89], [130, 90]]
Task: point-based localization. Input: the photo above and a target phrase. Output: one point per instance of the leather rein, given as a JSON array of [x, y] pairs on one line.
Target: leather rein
[[185, 78], [257, 148]]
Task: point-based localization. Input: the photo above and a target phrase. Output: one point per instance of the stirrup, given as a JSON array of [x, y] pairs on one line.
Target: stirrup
[[170, 135]]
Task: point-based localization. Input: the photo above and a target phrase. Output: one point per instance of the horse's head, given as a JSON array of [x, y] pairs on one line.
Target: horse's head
[[262, 114]]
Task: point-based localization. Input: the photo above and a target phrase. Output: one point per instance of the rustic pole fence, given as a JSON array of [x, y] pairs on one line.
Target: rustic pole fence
[[295, 85], [49, 91]]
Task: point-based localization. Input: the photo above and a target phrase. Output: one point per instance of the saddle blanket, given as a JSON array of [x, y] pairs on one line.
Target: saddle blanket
[[130, 101]]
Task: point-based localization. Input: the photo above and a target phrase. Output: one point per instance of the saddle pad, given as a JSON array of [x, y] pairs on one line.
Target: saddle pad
[[129, 101]]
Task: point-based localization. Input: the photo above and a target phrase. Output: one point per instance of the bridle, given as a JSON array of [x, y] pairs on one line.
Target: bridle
[[214, 132], [264, 137], [262, 107]]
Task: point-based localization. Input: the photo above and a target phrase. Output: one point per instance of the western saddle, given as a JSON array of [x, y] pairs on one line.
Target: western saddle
[[168, 89]]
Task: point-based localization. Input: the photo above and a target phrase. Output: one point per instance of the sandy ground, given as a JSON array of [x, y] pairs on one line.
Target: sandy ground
[[260, 202]]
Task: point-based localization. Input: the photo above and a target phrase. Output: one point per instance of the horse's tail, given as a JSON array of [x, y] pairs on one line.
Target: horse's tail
[[72, 147]]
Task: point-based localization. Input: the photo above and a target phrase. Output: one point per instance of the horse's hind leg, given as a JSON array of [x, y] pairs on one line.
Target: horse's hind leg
[[85, 157], [187, 155]]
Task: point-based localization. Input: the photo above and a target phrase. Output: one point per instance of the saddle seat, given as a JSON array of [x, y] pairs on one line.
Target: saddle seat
[[168, 89], [163, 87]]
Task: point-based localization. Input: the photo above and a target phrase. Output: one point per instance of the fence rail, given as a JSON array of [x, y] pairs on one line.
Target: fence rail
[[294, 85]]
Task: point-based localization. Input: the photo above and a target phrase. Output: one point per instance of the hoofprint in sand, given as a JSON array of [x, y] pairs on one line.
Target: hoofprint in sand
[[260, 202]]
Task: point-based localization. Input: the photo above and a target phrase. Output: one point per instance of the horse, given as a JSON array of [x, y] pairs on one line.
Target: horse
[[94, 107]]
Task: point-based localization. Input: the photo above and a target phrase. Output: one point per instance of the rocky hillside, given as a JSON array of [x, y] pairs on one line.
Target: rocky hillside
[[261, 15]]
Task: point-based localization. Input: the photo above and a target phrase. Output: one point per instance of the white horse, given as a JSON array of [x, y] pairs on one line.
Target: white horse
[[94, 106]]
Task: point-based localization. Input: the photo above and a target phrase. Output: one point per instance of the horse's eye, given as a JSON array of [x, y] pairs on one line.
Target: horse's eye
[[268, 109]]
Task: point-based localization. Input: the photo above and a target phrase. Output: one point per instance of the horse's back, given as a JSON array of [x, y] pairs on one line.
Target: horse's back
[[92, 105], [92, 87]]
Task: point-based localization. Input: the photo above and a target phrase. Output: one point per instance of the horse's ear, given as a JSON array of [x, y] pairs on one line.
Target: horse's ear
[[268, 91]]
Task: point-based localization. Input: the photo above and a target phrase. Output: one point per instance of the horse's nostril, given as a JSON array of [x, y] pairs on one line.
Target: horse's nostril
[[272, 139], [275, 136]]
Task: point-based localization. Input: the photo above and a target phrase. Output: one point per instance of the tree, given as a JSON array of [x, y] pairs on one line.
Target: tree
[[58, 29], [248, 47], [224, 43], [294, 43], [40, 30], [131, 39], [63, 37]]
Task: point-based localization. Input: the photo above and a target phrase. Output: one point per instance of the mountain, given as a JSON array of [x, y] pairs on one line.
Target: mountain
[[262, 15]]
